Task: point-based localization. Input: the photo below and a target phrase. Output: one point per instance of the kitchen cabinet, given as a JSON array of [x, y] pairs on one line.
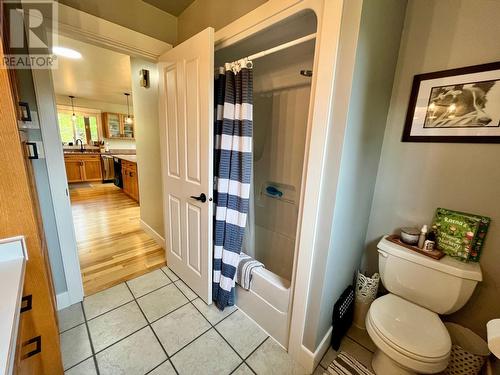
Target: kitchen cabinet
[[130, 180], [111, 124], [74, 171], [115, 126], [92, 168], [83, 167]]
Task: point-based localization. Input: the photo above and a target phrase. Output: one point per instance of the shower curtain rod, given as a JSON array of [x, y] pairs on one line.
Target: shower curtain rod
[[281, 47]]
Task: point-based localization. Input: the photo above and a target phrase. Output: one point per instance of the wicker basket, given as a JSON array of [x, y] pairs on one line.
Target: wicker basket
[[367, 287], [468, 351], [366, 292]]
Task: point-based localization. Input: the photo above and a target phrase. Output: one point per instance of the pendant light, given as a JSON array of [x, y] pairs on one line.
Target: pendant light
[[73, 116], [128, 120]]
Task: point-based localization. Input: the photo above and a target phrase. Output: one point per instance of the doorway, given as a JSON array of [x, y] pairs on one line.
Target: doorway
[[97, 130]]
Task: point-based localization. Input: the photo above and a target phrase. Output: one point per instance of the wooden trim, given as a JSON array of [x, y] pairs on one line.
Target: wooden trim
[[68, 108], [121, 120], [20, 216], [97, 113], [407, 137]]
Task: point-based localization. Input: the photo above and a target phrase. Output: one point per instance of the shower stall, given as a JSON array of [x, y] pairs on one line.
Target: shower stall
[[282, 87], [272, 213]]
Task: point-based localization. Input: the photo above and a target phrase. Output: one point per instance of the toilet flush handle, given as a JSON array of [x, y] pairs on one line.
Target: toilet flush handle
[[383, 253]]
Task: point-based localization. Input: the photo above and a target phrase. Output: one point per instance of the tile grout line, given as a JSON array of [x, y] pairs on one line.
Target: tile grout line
[[215, 329], [227, 342], [123, 338], [150, 371], [139, 329], [253, 351], [123, 304], [69, 329], [360, 344], [130, 334], [161, 269], [90, 339], [212, 326], [149, 324], [78, 363], [223, 338], [152, 330], [170, 312], [190, 342], [258, 346], [152, 291]]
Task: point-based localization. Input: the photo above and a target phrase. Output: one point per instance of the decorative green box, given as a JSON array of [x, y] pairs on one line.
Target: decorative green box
[[459, 234]]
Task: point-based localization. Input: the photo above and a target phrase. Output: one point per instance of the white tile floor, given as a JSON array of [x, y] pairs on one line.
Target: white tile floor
[[155, 324]]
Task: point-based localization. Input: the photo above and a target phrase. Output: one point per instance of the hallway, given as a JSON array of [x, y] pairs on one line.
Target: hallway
[[112, 246]]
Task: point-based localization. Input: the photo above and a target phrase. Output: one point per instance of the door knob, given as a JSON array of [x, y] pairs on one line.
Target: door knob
[[202, 197]]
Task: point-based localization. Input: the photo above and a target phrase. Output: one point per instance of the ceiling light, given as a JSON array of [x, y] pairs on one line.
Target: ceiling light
[[67, 52], [128, 120], [73, 116]]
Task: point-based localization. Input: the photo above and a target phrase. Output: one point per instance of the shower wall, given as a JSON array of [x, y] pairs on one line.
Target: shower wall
[[280, 120]]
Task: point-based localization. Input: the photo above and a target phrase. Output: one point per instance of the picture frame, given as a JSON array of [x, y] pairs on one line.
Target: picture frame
[[459, 105]]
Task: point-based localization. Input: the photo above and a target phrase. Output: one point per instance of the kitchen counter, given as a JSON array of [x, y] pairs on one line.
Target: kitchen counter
[[130, 158], [78, 152], [12, 265]]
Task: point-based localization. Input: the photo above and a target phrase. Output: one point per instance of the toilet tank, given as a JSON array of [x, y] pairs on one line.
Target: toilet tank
[[442, 286]]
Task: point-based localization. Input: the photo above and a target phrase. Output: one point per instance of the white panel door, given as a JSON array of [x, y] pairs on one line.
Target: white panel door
[[186, 124]]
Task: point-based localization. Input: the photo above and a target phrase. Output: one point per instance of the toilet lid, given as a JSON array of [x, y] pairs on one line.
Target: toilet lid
[[410, 327]]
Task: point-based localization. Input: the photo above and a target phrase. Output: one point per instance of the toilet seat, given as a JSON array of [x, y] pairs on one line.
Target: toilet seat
[[409, 334]]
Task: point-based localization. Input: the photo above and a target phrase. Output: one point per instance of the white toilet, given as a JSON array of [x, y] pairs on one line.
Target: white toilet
[[405, 325]]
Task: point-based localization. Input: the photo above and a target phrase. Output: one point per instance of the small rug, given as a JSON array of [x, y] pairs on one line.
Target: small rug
[[345, 364]]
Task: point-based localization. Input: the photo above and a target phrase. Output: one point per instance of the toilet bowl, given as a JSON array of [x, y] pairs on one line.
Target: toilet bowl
[[409, 338], [404, 324]]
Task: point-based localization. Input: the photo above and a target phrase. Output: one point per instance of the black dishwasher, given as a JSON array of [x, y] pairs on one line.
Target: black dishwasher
[[117, 162]]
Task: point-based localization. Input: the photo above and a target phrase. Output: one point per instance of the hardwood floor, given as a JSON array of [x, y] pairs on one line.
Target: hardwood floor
[[112, 246]]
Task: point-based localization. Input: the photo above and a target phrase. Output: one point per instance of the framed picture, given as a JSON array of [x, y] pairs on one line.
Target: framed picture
[[457, 105]]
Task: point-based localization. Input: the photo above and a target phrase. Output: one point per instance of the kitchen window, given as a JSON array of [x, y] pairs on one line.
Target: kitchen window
[[86, 125]]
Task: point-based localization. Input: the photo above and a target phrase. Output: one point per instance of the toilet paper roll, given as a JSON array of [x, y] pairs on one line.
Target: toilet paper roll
[[493, 329]]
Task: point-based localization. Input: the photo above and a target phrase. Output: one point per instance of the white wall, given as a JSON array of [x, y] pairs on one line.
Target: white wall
[[148, 145], [416, 178], [283, 134], [375, 60], [281, 104], [215, 13], [136, 15]]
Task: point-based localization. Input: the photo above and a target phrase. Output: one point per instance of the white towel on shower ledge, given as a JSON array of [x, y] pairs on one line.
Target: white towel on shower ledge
[[245, 268]]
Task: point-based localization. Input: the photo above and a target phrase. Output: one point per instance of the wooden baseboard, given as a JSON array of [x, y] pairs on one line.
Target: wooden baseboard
[[154, 234]]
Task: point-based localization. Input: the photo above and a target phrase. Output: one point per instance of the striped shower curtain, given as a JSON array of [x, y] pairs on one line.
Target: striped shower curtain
[[232, 174]]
